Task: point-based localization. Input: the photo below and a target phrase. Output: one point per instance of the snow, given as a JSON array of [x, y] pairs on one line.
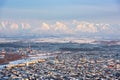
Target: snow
[[63, 40], [3, 40]]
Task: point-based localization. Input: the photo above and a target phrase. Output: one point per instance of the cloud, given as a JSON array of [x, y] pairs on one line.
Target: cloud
[[14, 26], [25, 26]]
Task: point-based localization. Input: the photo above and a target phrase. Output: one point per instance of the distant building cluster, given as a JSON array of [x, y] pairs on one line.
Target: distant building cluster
[[66, 66]]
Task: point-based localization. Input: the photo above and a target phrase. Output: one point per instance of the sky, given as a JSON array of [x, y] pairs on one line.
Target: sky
[[59, 16]]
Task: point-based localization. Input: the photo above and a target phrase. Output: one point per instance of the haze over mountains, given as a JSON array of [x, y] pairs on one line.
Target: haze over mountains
[[73, 28]]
